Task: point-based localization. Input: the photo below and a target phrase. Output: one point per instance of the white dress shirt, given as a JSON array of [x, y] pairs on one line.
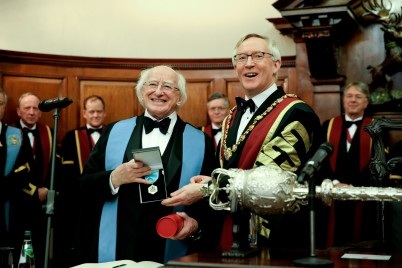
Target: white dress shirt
[[30, 135], [153, 139], [258, 101], [95, 135], [218, 135]]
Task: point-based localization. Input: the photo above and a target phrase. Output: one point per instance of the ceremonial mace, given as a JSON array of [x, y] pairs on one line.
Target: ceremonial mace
[[269, 190]]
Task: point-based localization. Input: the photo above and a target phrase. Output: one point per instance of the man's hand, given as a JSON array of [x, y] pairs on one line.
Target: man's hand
[[200, 179], [42, 194], [188, 194], [342, 185], [190, 227], [130, 172]]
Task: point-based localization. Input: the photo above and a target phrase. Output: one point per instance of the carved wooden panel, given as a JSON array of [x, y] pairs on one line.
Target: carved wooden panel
[[120, 99], [45, 88], [195, 110], [327, 96], [52, 76]]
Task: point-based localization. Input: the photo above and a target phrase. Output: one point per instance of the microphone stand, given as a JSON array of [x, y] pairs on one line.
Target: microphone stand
[[312, 260], [51, 193]]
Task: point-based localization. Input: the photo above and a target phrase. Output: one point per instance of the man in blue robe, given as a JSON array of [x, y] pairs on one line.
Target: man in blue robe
[[114, 190]]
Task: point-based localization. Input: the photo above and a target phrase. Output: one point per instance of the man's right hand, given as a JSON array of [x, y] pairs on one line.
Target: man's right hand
[[188, 194], [130, 172]]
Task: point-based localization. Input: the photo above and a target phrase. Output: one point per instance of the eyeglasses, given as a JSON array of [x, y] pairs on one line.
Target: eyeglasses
[[256, 57], [219, 109], [166, 87], [358, 97]]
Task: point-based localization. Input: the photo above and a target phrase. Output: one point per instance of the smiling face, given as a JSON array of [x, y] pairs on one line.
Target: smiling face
[[159, 101], [94, 113], [256, 76], [354, 102]]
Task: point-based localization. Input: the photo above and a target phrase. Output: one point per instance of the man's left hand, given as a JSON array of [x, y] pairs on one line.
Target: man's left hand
[[190, 227], [187, 195]]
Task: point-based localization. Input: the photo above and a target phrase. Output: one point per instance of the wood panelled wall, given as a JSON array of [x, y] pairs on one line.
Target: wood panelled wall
[[51, 76]]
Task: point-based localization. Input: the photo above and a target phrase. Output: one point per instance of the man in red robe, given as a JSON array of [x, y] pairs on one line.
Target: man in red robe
[[268, 127], [218, 109], [350, 221]]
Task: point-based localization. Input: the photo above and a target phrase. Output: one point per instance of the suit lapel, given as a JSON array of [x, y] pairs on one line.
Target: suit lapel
[[173, 154], [172, 158], [135, 140], [233, 161]]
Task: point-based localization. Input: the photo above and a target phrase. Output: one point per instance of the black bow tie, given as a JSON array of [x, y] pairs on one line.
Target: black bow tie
[[242, 104], [215, 131], [150, 124], [348, 124], [92, 130], [29, 130]]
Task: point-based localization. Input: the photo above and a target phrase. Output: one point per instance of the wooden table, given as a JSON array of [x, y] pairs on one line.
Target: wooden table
[[282, 258]]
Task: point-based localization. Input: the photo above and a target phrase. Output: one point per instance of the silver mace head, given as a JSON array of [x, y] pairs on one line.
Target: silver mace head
[[271, 190]]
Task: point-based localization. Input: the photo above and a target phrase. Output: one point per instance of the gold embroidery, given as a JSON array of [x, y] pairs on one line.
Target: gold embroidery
[[228, 152], [67, 162], [21, 168], [31, 190]]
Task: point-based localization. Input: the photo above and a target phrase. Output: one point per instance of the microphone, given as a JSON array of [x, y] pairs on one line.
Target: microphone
[[314, 164], [48, 105]]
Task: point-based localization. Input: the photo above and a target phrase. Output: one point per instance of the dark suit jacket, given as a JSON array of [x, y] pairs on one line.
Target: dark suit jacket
[[76, 148], [136, 236]]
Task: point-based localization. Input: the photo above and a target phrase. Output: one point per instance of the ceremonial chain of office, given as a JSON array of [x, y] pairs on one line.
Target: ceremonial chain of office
[[229, 151]]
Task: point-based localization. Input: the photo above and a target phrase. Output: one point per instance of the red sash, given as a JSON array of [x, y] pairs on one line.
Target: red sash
[[45, 136], [208, 130], [251, 149], [333, 136], [257, 136]]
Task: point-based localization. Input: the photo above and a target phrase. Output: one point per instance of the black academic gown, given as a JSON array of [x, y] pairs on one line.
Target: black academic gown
[[21, 203], [41, 173], [137, 238], [74, 154]]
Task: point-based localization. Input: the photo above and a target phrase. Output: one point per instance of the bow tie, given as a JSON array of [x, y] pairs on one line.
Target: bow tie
[[92, 130], [215, 131], [242, 104], [29, 130], [150, 124], [348, 124]]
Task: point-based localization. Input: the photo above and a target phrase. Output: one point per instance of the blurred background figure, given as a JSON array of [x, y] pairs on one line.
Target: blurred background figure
[[218, 109], [76, 148], [350, 222], [18, 192], [40, 138]]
